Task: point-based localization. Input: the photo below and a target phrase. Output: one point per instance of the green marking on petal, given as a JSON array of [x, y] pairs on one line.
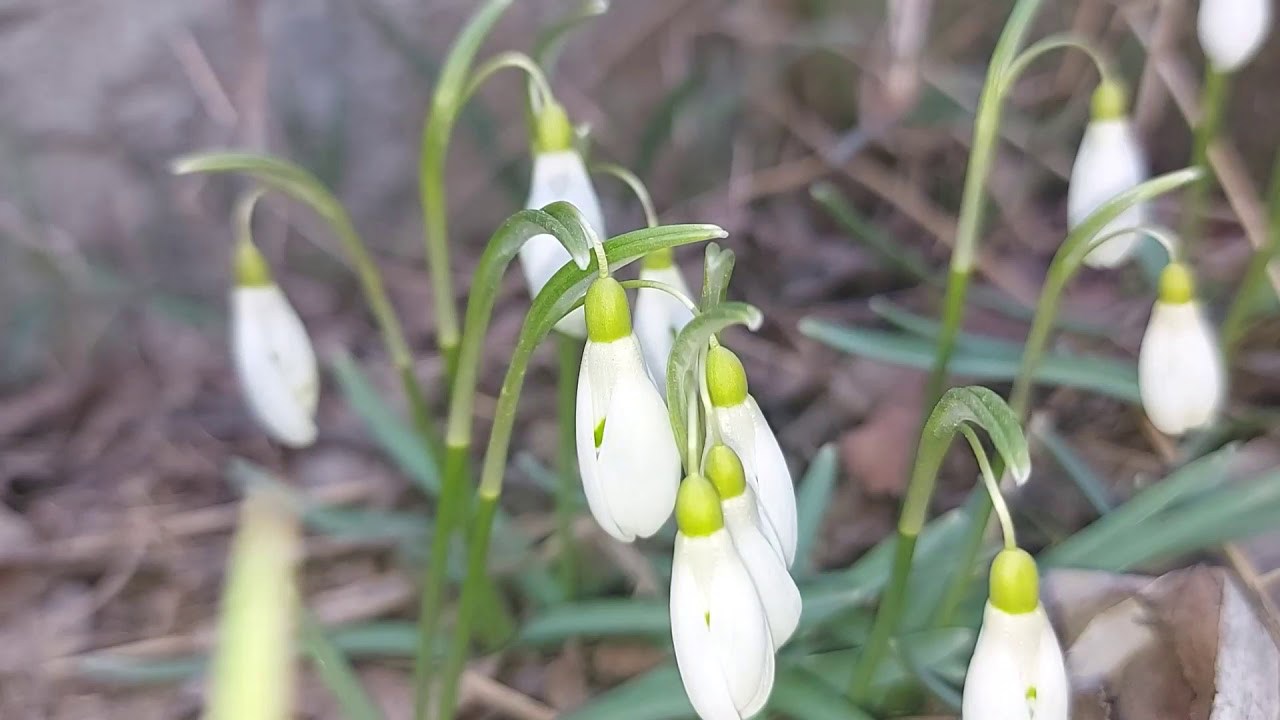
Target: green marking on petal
[[600, 434], [707, 617]]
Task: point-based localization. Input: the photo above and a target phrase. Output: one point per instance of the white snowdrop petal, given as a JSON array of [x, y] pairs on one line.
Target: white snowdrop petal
[[777, 492], [1232, 31], [766, 565], [559, 175], [639, 465], [659, 318], [739, 630], [696, 658], [1110, 161], [1053, 697], [275, 363], [1180, 374], [584, 434], [1015, 654]]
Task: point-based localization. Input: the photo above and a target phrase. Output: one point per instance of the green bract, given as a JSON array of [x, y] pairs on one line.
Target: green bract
[[251, 269], [608, 315], [1110, 101], [724, 469], [698, 507], [1177, 286], [726, 379]]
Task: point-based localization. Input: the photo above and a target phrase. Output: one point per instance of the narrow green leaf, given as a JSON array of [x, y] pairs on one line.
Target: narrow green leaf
[[930, 329], [812, 500], [598, 619], [656, 695], [892, 252], [550, 42], [387, 430], [1109, 377], [335, 671], [717, 269], [800, 695], [128, 671], [1091, 486]]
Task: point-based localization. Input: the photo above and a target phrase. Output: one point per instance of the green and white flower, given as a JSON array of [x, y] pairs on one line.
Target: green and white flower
[[1181, 377], [659, 316]]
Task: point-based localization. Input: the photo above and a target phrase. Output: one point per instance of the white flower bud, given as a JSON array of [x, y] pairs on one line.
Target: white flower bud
[[1180, 373], [558, 175], [719, 630], [275, 363], [1110, 161], [1232, 31], [1017, 671]]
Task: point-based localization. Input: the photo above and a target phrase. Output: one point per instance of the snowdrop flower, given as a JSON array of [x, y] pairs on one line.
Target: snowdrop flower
[[1180, 373], [1232, 31], [1109, 162], [558, 174], [745, 430], [1017, 671], [765, 564], [659, 316], [273, 356], [718, 624], [626, 450]]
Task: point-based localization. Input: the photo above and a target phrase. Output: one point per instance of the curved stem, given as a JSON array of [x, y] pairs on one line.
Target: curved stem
[[986, 132], [502, 61], [1060, 41], [959, 406], [637, 186], [664, 287], [446, 104], [704, 392], [992, 485], [1242, 306]]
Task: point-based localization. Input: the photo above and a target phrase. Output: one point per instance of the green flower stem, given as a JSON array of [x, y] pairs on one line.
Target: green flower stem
[[637, 186], [446, 104], [569, 354], [561, 294], [503, 61], [1063, 41], [565, 223], [1212, 104], [977, 406], [1243, 304], [663, 287], [1066, 262], [305, 188], [992, 485], [986, 133]]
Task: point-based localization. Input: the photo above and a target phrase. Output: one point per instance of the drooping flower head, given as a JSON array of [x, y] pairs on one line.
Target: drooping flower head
[[1109, 162], [1181, 377], [1017, 671], [1232, 31], [745, 430], [558, 174], [659, 316], [718, 624], [626, 450], [763, 560], [274, 360]]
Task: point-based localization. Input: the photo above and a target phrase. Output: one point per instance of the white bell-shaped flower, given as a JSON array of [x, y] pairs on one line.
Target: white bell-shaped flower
[[1232, 31], [744, 429], [1181, 377], [273, 356], [1109, 162], [659, 316], [559, 174], [626, 450], [765, 563], [718, 624], [1017, 671]]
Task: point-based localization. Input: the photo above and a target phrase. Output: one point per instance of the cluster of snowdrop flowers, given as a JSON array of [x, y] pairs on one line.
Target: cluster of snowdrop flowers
[[1109, 162], [1180, 370], [733, 601], [1232, 31], [274, 360], [1017, 670]]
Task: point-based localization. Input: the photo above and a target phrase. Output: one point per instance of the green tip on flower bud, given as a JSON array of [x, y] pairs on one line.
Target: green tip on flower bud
[[1015, 582], [726, 380], [659, 259], [698, 507], [250, 267], [552, 128], [1177, 286], [1110, 101], [724, 469], [608, 315]]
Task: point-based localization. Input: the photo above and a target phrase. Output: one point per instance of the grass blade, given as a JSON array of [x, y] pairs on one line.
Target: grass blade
[[334, 670], [813, 499]]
